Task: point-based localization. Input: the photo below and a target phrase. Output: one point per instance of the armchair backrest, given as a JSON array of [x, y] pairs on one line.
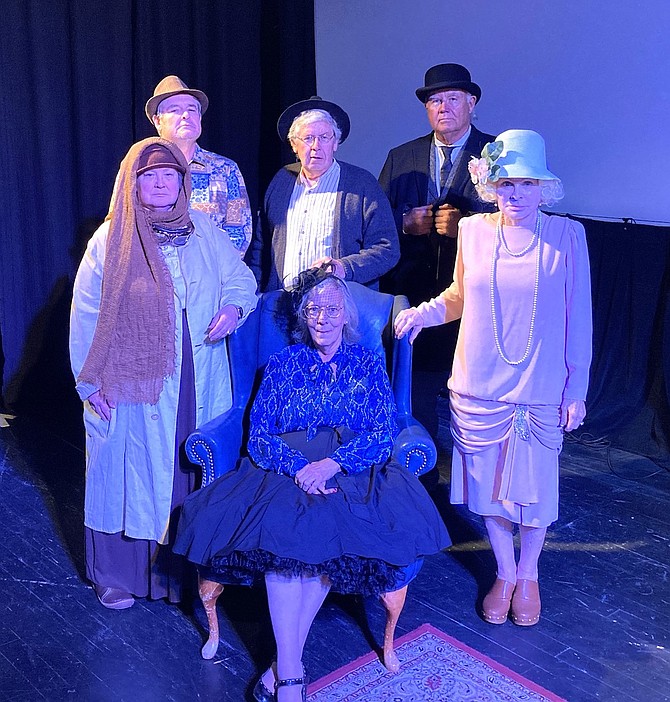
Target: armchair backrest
[[267, 331], [217, 445]]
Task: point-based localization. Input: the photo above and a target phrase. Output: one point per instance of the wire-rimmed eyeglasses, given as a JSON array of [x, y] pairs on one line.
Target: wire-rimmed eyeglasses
[[313, 311], [310, 139]]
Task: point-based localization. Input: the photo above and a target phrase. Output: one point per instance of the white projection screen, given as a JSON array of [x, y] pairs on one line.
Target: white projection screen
[[592, 76]]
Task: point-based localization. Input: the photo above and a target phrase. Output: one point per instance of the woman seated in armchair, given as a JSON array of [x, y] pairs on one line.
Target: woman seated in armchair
[[319, 503]]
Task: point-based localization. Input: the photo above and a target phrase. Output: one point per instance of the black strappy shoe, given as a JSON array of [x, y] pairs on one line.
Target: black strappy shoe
[[293, 681], [261, 693]]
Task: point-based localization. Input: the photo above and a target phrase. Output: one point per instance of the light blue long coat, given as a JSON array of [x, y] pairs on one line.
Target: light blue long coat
[[130, 459]]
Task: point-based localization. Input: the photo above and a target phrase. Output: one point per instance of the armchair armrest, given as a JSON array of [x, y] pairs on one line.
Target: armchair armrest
[[414, 448], [215, 446]]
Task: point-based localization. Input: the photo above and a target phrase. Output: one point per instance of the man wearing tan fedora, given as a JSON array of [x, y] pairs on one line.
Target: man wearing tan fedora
[[428, 184], [217, 185]]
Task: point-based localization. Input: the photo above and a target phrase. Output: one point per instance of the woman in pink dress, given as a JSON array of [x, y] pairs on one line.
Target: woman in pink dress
[[520, 374]]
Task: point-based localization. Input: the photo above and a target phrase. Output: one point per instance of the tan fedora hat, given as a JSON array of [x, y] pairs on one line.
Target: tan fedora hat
[[169, 86]]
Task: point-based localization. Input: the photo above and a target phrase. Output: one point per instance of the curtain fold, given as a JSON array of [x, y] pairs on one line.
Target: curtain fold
[[630, 270], [74, 78]]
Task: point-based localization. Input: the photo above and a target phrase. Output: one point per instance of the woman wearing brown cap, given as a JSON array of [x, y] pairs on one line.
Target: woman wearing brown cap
[[157, 289]]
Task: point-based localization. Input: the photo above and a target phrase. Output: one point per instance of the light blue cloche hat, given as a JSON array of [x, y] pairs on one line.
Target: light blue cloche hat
[[523, 155]]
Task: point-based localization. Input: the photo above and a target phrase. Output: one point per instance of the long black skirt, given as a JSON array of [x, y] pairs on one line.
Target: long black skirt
[[368, 537]]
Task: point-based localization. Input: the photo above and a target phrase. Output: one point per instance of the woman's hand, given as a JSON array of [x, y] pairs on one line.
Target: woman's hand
[[101, 405], [572, 413], [312, 478], [224, 322], [408, 321]]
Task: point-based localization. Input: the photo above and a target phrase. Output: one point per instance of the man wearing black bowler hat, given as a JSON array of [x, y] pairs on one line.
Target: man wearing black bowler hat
[[429, 187]]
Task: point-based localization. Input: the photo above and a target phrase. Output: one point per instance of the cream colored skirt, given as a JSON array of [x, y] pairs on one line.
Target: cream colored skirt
[[505, 459]]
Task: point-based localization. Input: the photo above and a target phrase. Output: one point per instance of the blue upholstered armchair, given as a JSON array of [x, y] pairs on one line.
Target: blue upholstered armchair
[[218, 445]]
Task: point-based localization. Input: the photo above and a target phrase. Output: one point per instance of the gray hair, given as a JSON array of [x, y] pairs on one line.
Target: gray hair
[[350, 332], [551, 192], [309, 117]]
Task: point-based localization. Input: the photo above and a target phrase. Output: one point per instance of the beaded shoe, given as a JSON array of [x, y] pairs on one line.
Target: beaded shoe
[[293, 681], [497, 603], [526, 604]]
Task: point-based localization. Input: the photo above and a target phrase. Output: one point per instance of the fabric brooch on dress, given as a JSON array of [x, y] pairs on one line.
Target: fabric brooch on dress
[[484, 170]]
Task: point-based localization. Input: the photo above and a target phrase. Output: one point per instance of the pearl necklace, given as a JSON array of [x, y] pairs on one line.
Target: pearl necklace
[[500, 241]]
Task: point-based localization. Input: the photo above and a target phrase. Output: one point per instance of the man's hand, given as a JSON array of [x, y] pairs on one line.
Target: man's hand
[[312, 478], [418, 221], [446, 220], [338, 267]]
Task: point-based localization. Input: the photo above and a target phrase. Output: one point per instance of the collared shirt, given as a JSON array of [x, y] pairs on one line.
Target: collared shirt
[[309, 222], [439, 154], [218, 190]]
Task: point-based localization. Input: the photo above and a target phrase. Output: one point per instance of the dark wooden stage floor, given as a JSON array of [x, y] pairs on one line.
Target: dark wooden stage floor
[[605, 583]]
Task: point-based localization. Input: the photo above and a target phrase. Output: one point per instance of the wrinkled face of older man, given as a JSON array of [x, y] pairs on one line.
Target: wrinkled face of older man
[[449, 113], [158, 189], [178, 119], [315, 146]]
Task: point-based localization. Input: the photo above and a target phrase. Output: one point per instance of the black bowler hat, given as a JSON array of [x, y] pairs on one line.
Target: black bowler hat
[[447, 76], [314, 103]]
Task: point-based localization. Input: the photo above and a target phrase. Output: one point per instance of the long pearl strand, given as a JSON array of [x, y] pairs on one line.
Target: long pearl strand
[[500, 241]]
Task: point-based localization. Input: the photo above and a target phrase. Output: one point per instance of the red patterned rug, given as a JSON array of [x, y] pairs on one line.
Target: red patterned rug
[[434, 668]]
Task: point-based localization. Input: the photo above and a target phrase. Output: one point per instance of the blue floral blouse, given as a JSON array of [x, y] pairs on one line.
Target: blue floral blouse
[[301, 392]]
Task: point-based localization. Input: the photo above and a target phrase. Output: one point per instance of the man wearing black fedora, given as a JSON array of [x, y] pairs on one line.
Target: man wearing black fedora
[[429, 187], [217, 185], [322, 210]]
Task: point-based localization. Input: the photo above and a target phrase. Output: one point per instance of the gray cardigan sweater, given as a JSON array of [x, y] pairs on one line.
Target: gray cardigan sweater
[[365, 239]]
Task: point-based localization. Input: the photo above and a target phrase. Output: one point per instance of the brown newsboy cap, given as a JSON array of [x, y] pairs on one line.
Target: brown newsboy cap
[[169, 86], [158, 156]]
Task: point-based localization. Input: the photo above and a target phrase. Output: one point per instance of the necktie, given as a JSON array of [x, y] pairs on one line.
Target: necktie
[[446, 165]]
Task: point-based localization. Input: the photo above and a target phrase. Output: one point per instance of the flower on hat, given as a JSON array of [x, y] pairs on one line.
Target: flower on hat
[[484, 170]]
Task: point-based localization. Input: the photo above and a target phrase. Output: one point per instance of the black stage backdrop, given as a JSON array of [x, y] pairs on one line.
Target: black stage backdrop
[[74, 78], [629, 391]]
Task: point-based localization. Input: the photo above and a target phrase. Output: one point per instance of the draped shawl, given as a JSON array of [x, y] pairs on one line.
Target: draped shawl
[[133, 348]]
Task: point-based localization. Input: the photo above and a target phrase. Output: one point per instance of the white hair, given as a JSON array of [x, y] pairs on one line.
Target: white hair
[[311, 116], [551, 192]]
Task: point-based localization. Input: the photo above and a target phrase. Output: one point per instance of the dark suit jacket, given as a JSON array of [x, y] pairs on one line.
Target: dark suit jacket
[[426, 262]]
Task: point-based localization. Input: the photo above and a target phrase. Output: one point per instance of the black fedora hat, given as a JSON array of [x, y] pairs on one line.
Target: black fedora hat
[[447, 76], [314, 103]]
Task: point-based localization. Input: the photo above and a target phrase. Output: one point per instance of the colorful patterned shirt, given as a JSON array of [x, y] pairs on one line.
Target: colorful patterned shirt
[[218, 190], [301, 392]]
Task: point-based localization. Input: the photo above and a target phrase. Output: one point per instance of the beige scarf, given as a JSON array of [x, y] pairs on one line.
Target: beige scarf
[[133, 348]]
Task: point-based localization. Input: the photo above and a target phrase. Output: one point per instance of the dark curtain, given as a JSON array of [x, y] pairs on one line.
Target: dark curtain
[[629, 391], [74, 78]]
